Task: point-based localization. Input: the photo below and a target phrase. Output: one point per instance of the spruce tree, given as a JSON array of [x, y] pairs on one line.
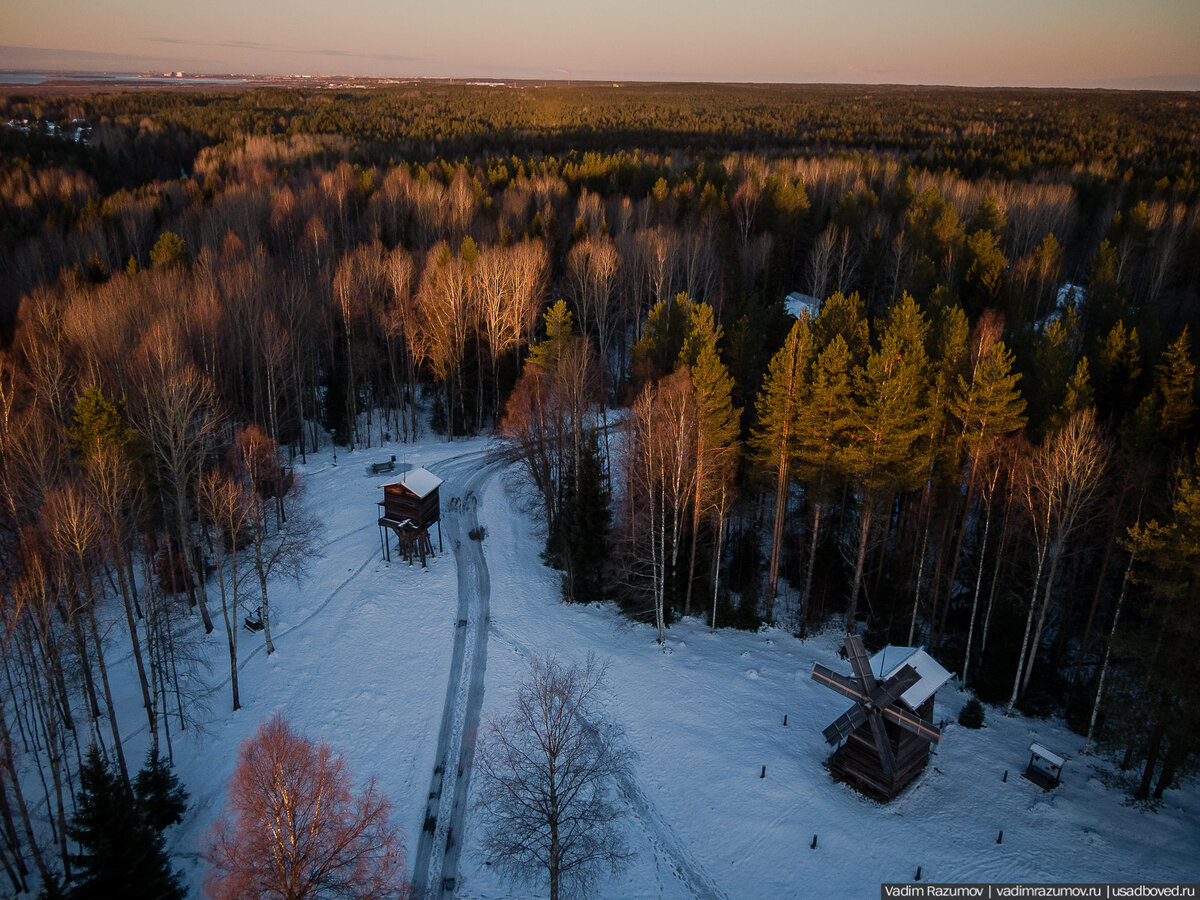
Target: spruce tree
[[162, 799], [121, 854], [586, 520]]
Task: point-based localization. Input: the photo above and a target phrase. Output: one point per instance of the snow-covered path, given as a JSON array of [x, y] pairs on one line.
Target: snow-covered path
[[436, 864]]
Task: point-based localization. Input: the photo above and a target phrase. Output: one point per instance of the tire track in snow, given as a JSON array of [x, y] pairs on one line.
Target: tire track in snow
[[436, 866]]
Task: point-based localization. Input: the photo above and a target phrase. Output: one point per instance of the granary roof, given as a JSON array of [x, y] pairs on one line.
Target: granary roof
[[888, 661], [421, 482], [798, 305]]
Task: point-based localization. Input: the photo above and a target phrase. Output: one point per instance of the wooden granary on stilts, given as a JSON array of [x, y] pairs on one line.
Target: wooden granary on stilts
[[410, 507], [883, 740]]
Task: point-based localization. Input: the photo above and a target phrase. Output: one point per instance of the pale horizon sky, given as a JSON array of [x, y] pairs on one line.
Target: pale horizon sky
[[1038, 43]]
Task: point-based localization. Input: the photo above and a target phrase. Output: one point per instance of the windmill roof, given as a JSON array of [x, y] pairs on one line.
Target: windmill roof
[[891, 659], [421, 482]]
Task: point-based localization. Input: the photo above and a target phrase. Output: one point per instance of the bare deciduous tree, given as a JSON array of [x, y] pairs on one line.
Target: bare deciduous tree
[[226, 504], [549, 768], [1058, 492], [591, 280], [281, 535], [662, 473], [175, 413], [292, 830]]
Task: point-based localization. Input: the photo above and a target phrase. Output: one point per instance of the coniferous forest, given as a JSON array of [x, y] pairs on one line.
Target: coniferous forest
[[973, 428]]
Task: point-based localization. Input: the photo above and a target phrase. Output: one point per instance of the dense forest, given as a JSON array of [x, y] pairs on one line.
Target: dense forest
[[974, 427]]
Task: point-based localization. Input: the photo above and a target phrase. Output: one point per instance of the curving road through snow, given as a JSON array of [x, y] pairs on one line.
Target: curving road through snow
[[436, 865]]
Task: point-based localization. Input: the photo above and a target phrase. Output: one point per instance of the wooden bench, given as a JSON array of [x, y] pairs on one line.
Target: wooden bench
[[255, 622], [378, 468]]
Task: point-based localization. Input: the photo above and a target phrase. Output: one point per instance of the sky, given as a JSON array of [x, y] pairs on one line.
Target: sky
[[1068, 43]]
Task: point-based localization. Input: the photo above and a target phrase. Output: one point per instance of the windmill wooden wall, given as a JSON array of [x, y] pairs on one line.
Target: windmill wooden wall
[[857, 760]]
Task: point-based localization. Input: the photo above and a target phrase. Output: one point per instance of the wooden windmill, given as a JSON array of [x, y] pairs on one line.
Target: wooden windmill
[[883, 740]]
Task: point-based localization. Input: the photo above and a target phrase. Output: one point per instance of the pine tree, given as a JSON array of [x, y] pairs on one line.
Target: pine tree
[[1079, 394], [989, 406], [774, 440], [843, 315], [1161, 652], [941, 447], [986, 273], [1055, 353], [121, 852], [669, 325], [716, 428], [169, 251], [1175, 387], [822, 428], [990, 216], [888, 422], [1116, 372], [99, 421], [1106, 302]]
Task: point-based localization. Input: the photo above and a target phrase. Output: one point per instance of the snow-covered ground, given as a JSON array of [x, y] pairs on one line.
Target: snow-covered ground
[[364, 655]]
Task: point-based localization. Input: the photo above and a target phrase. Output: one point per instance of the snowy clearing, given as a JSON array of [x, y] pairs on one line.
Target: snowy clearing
[[366, 660]]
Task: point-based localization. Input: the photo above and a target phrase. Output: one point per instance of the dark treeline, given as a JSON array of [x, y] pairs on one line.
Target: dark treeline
[[980, 436]]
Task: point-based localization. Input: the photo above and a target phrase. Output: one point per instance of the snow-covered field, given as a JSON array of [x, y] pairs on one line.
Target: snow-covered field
[[364, 654]]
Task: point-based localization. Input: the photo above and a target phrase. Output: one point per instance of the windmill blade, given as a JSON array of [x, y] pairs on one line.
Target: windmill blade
[[843, 684], [839, 729], [895, 686], [913, 723], [860, 663], [882, 744]]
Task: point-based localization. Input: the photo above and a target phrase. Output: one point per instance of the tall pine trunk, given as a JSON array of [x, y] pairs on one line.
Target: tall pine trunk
[[782, 477], [864, 531], [987, 524]]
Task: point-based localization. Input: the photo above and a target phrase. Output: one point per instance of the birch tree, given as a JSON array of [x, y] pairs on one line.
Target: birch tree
[[1058, 492]]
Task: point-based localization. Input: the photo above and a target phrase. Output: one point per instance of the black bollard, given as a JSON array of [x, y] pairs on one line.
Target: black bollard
[[1000, 837], [785, 720], [918, 873], [1005, 778], [764, 772], [814, 843]]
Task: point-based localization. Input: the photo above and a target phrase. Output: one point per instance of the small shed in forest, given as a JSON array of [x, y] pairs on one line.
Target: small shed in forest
[[1045, 767], [410, 506]]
